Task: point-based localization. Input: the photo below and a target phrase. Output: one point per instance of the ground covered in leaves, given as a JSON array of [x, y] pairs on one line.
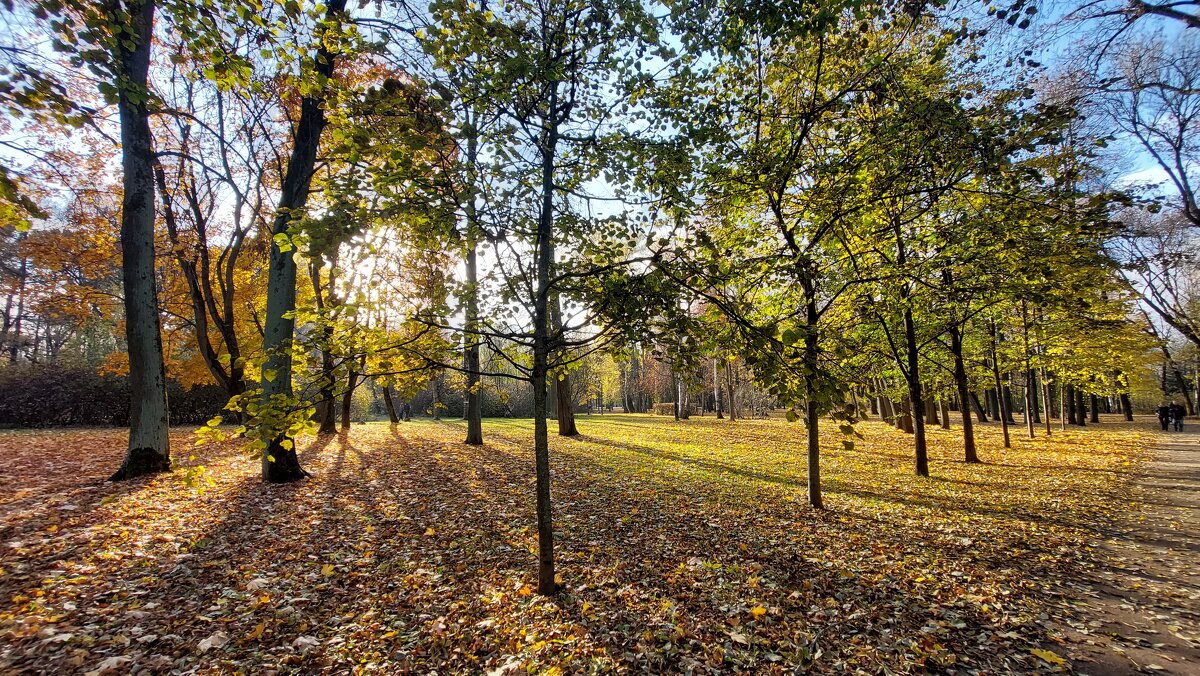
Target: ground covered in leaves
[[683, 547]]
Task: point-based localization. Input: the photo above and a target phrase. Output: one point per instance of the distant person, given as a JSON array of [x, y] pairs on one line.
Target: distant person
[[1164, 415], [1178, 413]]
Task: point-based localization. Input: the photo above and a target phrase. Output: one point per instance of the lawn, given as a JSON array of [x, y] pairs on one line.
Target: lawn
[[682, 547]]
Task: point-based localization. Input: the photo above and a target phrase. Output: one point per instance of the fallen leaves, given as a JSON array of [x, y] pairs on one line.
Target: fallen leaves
[[682, 547]]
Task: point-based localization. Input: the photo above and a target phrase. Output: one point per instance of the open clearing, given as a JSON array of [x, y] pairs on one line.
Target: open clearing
[[682, 547]]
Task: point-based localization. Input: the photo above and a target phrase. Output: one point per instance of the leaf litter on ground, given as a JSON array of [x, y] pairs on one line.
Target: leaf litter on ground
[[682, 547]]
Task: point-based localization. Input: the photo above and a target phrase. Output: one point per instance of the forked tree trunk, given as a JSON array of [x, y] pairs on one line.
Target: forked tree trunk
[[149, 441]]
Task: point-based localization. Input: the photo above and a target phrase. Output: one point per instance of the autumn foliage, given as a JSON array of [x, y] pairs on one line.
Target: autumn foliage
[[683, 546]]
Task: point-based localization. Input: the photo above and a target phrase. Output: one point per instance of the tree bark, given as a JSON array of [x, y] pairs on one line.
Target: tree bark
[[280, 463], [732, 390], [812, 411], [149, 442], [541, 355], [390, 404], [348, 397], [964, 394], [1001, 413], [326, 412], [717, 390], [474, 406], [471, 337], [978, 406]]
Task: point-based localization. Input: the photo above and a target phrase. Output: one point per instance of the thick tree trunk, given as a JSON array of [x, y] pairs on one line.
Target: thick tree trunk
[[1080, 408], [931, 412], [1095, 408], [945, 413], [1127, 406], [1069, 398], [280, 462], [149, 443]]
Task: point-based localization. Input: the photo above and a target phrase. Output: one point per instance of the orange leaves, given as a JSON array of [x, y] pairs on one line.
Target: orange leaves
[[679, 543]]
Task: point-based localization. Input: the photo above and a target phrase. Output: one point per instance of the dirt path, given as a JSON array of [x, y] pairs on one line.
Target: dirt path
[[1143, 602]]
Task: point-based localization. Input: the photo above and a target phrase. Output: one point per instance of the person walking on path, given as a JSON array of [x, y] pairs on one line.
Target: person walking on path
[[1164, 415], [1178, 413]]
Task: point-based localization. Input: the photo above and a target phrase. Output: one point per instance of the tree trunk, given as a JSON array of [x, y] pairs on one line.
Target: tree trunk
[[1095, 409], [1001, 413], [1065, 396], [474, 406], [812, 411], [564, 404], [1069, 397], [348, 397], [390, 405], [280, 462], [907, 414], [931, 412], [474, 412], [326, 413], [921, 456], [1047, 399], [978, 406], [149, 442], [732, 398], [1127, 406], [717, 389], [541, 356], [1081, 408]]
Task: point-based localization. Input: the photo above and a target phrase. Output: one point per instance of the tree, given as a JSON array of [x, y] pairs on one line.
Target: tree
[[130, 41], [280, 463]]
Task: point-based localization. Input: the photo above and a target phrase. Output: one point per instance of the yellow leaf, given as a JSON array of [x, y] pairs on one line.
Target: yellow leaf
[[430, 531], [758, 612], [256, 632], [1049, 656], [524, 591], [327, 569]]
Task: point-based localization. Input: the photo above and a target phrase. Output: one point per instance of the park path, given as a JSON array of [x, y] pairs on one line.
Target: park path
[[1142, 603]]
